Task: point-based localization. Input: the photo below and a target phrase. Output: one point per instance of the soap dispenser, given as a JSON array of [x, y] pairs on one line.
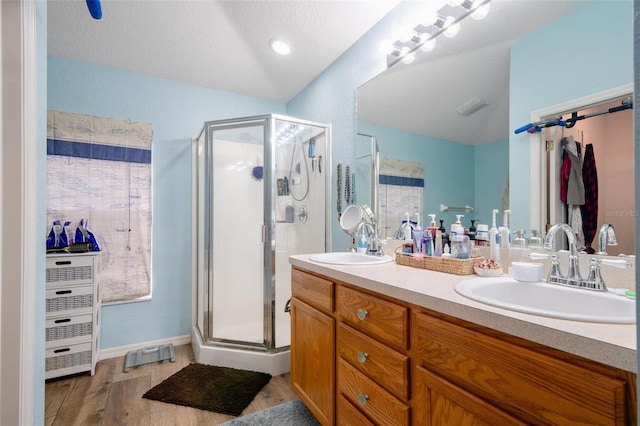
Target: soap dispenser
[[494, 239], [433, 228]]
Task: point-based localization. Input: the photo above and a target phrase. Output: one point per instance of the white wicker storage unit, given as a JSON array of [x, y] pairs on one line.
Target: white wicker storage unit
[[73, 314]]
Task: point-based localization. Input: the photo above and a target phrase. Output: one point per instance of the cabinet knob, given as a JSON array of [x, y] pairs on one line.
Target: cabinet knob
[[362, 356], [363, 398], [362, 314]]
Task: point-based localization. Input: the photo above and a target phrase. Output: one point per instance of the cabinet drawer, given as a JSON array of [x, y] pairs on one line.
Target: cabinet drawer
[[379, 318], [67, 301], [66, 270], [68, 330], [316, 291], [532, 386], [379, 362], [438, 402], [67, 360], [348, 415], [376, 403]]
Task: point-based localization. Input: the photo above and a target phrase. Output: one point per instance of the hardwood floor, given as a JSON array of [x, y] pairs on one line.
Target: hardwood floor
[[113, 397]]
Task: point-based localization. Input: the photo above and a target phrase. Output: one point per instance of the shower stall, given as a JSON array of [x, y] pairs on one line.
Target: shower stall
[[260, 194]]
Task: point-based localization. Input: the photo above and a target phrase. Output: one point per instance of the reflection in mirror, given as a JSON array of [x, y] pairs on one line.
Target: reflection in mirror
[[510, 64]]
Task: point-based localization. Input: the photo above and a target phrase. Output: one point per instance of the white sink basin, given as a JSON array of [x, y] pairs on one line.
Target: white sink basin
[[347, 258], [550, 300]]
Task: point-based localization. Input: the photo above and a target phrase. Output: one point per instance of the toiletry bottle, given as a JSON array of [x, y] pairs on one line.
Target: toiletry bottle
[[460, 246], [446, 251], [408, 229], [418, 237], [454, 227], [437, 249], [432, 225], [494, 239], [472, 230], [427, 244], [445, 236], [363, 244], [505, 233], [482, 234]]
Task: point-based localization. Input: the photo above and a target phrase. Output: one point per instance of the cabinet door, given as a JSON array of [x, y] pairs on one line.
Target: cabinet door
[[440, 403], [313, 359]]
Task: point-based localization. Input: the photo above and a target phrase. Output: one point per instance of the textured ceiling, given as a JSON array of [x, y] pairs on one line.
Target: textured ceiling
[[217, 44]]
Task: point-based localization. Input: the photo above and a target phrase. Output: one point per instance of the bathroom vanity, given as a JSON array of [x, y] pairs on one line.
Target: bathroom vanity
[[394, 345]]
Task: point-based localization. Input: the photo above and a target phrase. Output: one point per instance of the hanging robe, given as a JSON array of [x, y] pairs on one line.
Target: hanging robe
[[575, 189], [590, 208]]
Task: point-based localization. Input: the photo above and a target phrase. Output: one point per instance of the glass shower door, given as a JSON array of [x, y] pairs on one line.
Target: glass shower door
[[237, 232]]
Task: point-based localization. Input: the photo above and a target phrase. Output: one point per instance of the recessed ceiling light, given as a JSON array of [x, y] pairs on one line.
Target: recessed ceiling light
[[279, 46]]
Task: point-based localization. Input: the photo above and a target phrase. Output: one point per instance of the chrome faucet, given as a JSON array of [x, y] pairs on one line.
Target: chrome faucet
[[374, 246], [573, 277], [606, 237]]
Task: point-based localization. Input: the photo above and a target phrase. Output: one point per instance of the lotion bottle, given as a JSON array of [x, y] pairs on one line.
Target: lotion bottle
[[505, 233], [433, 227], [494, 239]]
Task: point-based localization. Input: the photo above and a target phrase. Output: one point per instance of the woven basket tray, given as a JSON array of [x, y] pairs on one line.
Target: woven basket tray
[[439, 264]]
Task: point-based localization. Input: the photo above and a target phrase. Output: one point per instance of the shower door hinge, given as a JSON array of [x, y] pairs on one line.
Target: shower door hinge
[[550, 145]]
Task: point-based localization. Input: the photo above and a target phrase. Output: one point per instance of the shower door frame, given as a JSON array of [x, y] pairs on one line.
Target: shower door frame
[[269, 226]]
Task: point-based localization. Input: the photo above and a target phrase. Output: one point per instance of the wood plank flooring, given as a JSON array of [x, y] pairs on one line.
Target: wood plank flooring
[[113, 397]]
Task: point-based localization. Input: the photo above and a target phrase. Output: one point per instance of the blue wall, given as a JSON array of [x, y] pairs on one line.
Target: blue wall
[[446, 165], [491, 168], [177, 113], [587, 52]]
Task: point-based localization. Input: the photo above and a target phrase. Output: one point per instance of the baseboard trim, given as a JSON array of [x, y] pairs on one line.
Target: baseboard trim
[[123, 350]]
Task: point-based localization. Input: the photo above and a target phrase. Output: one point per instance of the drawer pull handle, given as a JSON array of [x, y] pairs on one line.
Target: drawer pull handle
[[64, 292], [63, 262], [62, 320], [57, 351], [363, 398], [362, 314], [362, 356]]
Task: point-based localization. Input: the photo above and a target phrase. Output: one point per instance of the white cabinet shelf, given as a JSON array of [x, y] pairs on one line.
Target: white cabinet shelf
[[72, 314]]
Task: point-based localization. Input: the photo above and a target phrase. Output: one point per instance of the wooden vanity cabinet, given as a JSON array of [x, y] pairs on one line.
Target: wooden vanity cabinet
[[313, 336], [362, 358], [461, 372]]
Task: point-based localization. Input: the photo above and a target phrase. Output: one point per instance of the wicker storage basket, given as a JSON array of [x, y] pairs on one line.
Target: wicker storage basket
[[439, 264]]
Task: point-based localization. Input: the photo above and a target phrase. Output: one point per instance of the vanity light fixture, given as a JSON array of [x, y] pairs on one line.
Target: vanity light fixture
[[281, 47], [446, 20]]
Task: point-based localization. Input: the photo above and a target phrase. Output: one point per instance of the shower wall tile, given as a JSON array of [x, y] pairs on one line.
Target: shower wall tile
[[401, 191]]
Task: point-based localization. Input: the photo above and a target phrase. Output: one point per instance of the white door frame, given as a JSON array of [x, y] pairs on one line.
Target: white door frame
[[18, 213], [538, 194]]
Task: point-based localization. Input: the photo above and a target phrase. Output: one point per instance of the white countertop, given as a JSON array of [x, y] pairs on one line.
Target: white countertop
[[610, 344]]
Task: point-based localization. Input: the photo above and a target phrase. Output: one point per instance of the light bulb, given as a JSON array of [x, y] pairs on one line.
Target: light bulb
[[481, 12], [430, 18], [409, 58], [428, 45], [451, 29]]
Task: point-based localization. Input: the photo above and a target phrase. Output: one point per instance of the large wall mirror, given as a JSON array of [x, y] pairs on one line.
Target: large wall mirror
[[445, 123]]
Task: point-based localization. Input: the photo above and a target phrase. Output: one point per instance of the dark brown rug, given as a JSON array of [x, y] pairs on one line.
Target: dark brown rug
[[207, 387]]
